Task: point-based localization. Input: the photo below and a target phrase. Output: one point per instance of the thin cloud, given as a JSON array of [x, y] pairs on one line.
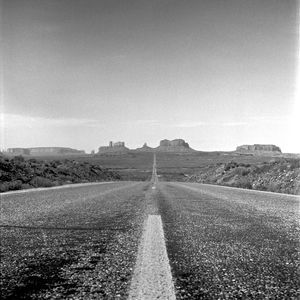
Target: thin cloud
[[190, 124], [270, 119], [248, 122], [147, 121], [15, 120], [229, 124], [144, 122], [200, 124]]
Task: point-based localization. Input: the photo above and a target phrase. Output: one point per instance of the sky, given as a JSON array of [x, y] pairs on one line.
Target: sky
[[80, 73]]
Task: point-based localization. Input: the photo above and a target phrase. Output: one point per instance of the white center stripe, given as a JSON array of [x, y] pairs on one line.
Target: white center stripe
[[152, 277]]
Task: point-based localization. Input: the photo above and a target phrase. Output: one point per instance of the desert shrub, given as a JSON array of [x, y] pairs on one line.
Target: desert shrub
[[32, 160], [19, 158], [5, 176], [226, 178], [279, 175], [41, 182], [4, 187], [63, 169], [84, 181], [274, 187], [296, 189], [282, 168], [10, 186], [230, 165], [26, 186], [263, 168], [261, 186], [19, 173], [243, 182], [294, 164], [5, 165], [15, 185], [246, 165], [241, 171]]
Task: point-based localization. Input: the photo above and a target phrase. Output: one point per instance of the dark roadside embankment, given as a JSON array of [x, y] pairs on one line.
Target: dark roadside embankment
[[17, 173], [280, 175]]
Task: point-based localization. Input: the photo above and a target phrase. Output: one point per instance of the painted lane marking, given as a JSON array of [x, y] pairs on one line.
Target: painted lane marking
[[152, 278]]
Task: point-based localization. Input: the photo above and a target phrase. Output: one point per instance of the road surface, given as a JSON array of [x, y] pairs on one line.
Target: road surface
[[190, 241]]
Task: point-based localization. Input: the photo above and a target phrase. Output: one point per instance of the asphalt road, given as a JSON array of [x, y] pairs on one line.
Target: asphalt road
[[73, 243], [227, 243], [82, 242]]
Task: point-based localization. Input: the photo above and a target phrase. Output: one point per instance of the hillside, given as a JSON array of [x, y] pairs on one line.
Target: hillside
[[282, 176], [224, 168], [18, 173]]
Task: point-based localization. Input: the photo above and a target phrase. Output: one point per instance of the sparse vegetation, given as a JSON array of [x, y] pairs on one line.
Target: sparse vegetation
[[18, 173], [281, 175], [244, 171]]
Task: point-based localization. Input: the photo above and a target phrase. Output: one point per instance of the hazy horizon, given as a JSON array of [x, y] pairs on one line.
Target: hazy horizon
[[218, 74], [130, 148]]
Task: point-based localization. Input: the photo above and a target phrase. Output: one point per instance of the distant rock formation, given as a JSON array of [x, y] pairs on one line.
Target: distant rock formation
[[258, 149], [177, 145], [113, 148], [44, 151], [145, 148], [18, 151], [174, 143]]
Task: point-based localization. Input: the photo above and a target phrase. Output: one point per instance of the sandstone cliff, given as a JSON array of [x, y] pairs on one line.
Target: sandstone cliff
[[259, 149], [113, 148], [43, 151], [177, 145]]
